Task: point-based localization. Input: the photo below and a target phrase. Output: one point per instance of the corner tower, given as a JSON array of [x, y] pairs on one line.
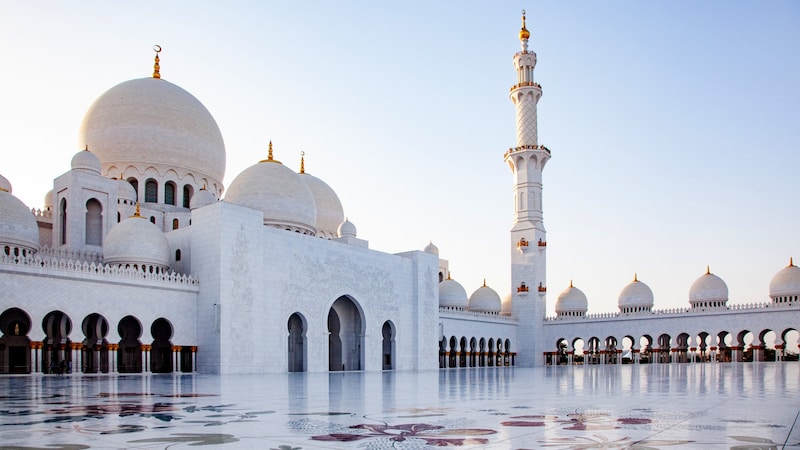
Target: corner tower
[[528, 236]]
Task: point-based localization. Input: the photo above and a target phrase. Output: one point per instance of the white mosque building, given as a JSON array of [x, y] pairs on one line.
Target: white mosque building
[[141, 261]]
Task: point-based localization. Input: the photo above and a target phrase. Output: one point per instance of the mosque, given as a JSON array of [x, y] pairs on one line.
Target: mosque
[[142, 261]]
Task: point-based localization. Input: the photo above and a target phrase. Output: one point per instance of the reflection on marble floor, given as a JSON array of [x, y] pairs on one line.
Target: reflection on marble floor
[[730, 406]]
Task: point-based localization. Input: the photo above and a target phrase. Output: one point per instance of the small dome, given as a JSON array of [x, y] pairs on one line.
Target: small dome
[[708, 288], [432, 249], [485, 299], [49, 199], [18, 227], [86, 161], [5, 185], [507, 307], [329, 209], [636, 295], [346, 229], [452, 294], [152, 122], [278, 192], [136, 241], [126, 191], [572, 300], [786, 282], [204, 197]]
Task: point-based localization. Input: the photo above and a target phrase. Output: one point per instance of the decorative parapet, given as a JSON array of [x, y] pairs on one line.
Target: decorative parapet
[[542, 289], [456, 312], [522, 289], [677, 311], [542, 243], [85, 256], [48, 263], [522, 244]]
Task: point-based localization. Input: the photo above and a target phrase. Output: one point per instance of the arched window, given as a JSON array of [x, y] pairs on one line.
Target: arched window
[[153, 219], [178, 255], [119, 217], [135, 183], [175, 224], [62, 212], [169, 193], [151, 191], [94, 222], [187, 195]]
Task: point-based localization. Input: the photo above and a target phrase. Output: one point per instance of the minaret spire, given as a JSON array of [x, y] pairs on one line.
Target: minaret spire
[[156, 65]]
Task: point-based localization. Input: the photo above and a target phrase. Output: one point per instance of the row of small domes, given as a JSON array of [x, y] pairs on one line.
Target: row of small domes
[[709, 289]]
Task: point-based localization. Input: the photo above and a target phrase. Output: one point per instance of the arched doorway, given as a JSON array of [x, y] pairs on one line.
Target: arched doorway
[[15, 353], [95, 346], [129, 353], [296, 344], [161, 349], [388, 345], [56, 355], [346, 336]]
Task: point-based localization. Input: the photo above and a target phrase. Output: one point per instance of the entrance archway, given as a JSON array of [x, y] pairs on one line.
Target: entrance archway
[[15, 353], [296, 351], [129, 352], [388, 345], [161, 350], [346, 336], [95, 345], [56, 354]]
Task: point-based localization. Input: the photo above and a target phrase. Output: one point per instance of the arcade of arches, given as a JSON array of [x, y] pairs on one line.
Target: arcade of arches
[[59, 353], [477, 353], [345, 339], [725, 346]]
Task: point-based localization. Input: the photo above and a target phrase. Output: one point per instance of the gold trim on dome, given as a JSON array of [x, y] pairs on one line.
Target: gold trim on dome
[[156, 65], [269, 156]]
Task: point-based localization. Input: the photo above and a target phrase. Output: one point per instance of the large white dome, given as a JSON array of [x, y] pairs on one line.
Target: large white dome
[[485, 299], [708, 288], [278, 192], [635, 295], [18, 227], [786, 282], [136, 241], [572, 300], [329, 209], [152, 122], [452, 294]]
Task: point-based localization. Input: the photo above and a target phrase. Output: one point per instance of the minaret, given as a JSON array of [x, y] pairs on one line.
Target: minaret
[[528, 236]]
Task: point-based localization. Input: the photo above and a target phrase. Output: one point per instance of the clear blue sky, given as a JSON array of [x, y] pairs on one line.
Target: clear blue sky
[[673, 125]]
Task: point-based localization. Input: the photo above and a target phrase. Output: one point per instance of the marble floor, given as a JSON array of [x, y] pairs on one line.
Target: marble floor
[[727, 406]]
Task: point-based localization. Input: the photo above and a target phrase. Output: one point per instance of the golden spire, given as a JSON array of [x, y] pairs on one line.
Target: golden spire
[[524, 33], [302, 162], [708, 270], [86, 148], [156, 66], [570, 283], [484, 282], [269, 155], [635, 277], [448, 274], [791, 263], [138, 211]]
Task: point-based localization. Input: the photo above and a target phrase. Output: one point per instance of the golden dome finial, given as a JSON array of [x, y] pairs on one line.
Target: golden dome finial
[[484, 282], [269, 155], [302, 162], [448, 274], [138, 211], [635, 277], [708, 270], [570, 283], [524, 33], [156, 66], [86, 148], [791, 262]]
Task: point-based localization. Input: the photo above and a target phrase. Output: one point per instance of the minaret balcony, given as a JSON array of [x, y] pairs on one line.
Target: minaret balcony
[[522, 289], [522, 245], [526, 84], [542, 289], [521, 148], [542, 244]]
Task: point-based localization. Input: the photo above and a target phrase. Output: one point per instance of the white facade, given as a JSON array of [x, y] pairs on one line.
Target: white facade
[[138, 263]]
